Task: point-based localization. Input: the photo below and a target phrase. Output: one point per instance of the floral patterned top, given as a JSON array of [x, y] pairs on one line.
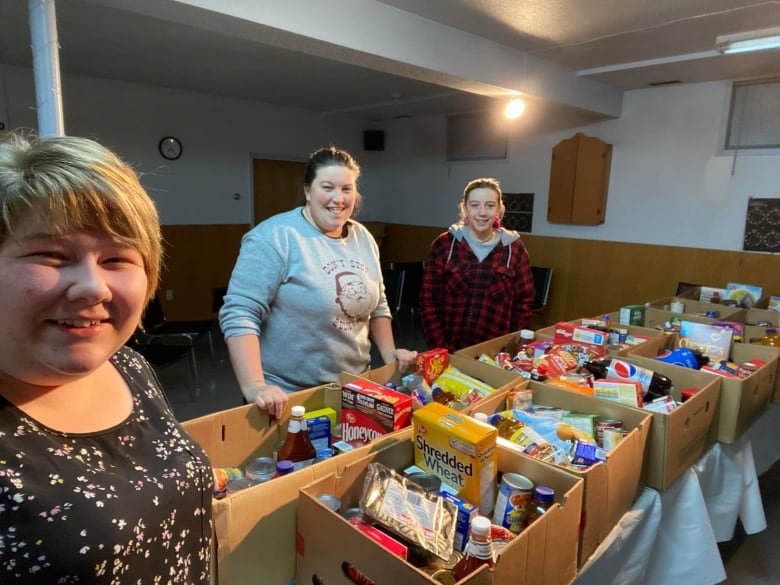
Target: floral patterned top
[[131, 504]]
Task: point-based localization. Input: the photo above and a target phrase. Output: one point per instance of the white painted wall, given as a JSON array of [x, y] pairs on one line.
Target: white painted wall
[[220, 136], [669, 184]]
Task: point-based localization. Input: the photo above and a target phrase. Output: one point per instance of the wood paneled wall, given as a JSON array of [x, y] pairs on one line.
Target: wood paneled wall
[[589, 276], [198, 259]]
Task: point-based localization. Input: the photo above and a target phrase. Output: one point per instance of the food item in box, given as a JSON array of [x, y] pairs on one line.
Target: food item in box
[[385, 540], [369, 410], [632, 315], [459, 450], [624, 391], [466, 388], [406, 509], [713, 342], [430, 364]]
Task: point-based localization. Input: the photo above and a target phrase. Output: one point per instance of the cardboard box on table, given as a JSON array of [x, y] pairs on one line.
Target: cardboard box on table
[[255, 528], [754, 334], [742, 401], [610, 488], [679, 439], [656, 341], [658, 313], [544, 554], [496, 377]]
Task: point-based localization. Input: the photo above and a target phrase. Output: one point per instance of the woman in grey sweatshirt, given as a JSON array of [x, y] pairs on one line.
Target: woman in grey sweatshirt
[[307, 287]]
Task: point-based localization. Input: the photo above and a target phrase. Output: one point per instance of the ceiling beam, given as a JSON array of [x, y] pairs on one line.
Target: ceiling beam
[[370, 34]]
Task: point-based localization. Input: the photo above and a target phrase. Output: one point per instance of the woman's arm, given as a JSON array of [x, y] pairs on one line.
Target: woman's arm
[[247, 364], [381, 331]]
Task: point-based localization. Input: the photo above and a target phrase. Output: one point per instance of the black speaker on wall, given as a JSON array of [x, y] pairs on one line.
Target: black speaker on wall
[[373, 140]]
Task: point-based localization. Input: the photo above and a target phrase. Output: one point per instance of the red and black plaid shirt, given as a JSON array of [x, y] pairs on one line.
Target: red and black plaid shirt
[[464, 301]]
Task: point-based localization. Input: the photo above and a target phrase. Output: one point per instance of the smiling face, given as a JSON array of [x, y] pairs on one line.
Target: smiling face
[[331, 198], [68, 302], [481, 208]]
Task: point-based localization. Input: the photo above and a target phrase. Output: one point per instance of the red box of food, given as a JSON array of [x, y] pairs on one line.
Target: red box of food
[[369, 410], [583, 342], [430, 364]]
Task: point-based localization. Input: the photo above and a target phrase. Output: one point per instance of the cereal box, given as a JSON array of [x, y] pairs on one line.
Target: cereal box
[[369, 410], [458, 450]]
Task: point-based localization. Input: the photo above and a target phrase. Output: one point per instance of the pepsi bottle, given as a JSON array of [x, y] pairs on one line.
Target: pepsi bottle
[[654, 385]]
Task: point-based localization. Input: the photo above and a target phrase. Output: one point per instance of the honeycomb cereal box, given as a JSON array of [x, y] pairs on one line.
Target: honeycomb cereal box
[[458, 450]]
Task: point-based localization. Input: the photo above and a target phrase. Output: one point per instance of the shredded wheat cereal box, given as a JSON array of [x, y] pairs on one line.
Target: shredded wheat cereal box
[[458, 450]]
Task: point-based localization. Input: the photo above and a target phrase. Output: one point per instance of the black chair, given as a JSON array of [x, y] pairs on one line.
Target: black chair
[[542, 280], [162, 341], [394, 290], [686, 289], [410, 299]]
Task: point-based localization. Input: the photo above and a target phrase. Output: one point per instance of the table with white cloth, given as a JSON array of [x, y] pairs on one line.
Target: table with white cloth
[[671, 536]]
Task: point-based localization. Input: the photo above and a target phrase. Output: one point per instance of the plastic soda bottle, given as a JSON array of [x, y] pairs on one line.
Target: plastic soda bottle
[[297, 446], [479, 550]]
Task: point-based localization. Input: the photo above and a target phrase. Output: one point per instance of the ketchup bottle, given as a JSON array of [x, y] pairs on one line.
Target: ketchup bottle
[[297, 446], [479, 550]]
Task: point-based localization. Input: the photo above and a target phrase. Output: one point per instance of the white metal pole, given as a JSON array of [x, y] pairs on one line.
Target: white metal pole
[[46, 67]]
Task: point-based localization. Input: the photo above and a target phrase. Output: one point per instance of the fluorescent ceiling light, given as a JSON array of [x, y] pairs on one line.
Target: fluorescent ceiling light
[[757, 40]]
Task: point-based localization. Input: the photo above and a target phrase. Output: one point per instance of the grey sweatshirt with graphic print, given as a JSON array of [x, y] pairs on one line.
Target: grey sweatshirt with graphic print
[[308, 297]]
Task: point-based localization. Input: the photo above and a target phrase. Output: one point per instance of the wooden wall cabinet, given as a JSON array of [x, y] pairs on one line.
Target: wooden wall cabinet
[[579, 180]]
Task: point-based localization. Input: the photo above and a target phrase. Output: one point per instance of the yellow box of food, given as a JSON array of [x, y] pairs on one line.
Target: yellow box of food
[[458, 450]]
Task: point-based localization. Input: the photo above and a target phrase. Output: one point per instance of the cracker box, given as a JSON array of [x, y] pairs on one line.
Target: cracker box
[[458, 450], [430, 364], [369, 410]]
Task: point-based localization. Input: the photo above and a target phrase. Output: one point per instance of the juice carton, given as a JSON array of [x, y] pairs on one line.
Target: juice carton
[[458, 450], [369, 410]]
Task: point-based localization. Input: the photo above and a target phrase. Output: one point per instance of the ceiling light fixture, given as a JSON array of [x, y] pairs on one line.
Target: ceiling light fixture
[[757, 40], [514, 109]]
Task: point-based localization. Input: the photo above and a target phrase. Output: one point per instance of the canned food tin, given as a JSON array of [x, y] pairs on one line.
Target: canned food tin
[[514, 494], [222, 475], [236, 485], [351, 513], [444, 576], [330, 501], [260, 470], [427, 481], [606, 424]]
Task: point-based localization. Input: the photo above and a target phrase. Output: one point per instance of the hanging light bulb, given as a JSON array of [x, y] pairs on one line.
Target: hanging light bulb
[[514, 109]]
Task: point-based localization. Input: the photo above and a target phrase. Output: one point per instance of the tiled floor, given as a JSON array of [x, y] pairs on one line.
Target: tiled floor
[[749, 560]]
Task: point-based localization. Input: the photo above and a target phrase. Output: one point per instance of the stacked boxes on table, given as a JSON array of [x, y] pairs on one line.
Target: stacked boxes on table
[[329, 548], [255, 528], [611, 487], [754, 334]]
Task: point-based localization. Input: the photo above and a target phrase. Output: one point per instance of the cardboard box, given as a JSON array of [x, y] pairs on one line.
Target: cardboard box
[[658, 313], [610, 488], [496, 377], [255, 528], [743, 401], [680, 438], [544, 554]]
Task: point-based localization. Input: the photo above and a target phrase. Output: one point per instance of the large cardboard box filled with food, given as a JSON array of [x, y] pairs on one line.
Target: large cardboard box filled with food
[[744, 397], [394, 544], [255, 527], [611, 486], [487, 378], [662, 311], [679, 438]]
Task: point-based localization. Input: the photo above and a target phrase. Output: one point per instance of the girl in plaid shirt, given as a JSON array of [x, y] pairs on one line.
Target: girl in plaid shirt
[[477, 283]]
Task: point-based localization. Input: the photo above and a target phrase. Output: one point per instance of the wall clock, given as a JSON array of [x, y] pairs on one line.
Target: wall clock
[[170, 148]]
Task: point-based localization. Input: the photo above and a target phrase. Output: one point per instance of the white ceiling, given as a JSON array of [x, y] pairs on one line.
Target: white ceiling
[[380, 60]]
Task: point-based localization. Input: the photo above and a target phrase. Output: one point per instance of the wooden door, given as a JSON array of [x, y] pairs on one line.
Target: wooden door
[[278, 185]]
